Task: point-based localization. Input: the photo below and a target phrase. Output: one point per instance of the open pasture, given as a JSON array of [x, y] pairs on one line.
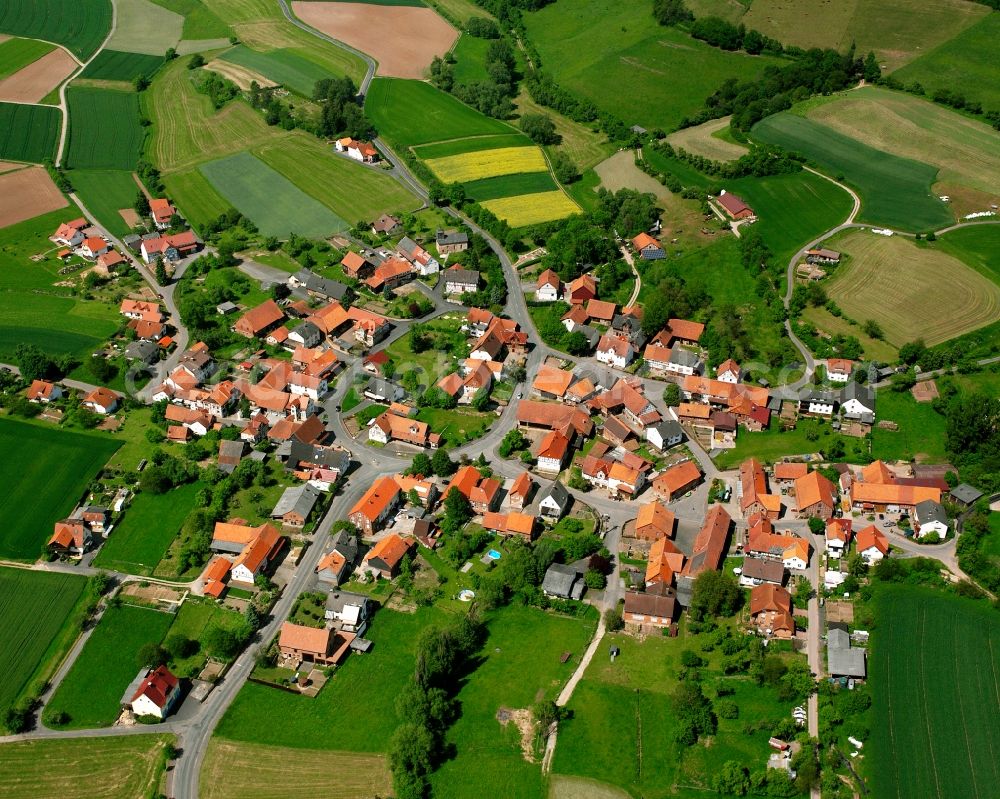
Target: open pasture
[[200, 23], [488, 164], [965, 151], [894, 191], [966, 63], [145, 27], [37, 80], [392, 104], [196, 197], [933, 671], [34, 607], [704, 140], [119, 65], [284, 66], [913, 291], [105, 192], [897, 30], [509, 185], [356, 775], [345, 187], [91, 691], [585, 147], [123, 767], [96, 143], [16, 54], [273, 202], [615, 55], [28, 132], [36, 492], [402, 39], [28, 193], [531, 209], [81, 27]]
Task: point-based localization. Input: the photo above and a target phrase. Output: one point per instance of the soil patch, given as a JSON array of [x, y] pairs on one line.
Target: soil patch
[[35, 81], [403, 39], [241, 76], [130, 216], [27, 193], [525, 725], [9, 166]]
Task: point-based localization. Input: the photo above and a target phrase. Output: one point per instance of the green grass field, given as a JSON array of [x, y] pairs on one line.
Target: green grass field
[[792, 210], [92, 689], [126, 766], [95, 144], [193, 618], [28, 132], [34, 608], [15, 54], [150, 525], [80, 27], [145, 27], [473, 144], [508, 185], [978, 246], [116, 65], [196, 197], [937, 709], [772, 445], [894, 191], [105, 192], [897, 281], [199, 21], [616, 56], [393, 103], [966, 152], [470, 59], [519, 664], [355, 711], [966, 63], [921, 433], [585, 147], [274, 203], [36, 492], [286, 67]]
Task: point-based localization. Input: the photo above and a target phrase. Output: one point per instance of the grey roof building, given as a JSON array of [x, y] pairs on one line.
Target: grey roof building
[[451, 238], [844, 660], [553, 500], [317, 284], [383, 390], [930, 511], [589, 333], [306, 333], [143, 351], [966, 495], [317, 454], [680, 356], [298, 500], [564, 582]]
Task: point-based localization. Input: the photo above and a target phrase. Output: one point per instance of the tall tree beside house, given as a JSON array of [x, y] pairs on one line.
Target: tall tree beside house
[[141, 204], [161, 273]]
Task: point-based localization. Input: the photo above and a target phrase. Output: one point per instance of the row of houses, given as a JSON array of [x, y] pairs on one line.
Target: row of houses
[[388, 269], [339, 326]]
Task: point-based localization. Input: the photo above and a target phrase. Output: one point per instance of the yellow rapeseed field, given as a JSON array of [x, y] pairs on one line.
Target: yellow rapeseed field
[[530, 209], [488, 164]]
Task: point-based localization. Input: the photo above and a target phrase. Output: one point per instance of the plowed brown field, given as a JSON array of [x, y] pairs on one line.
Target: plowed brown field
[[31, 84], [27, 193]]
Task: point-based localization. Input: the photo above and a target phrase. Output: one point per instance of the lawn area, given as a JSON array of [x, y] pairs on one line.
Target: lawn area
[[34, 610], [894, 191], [28, 132], [93, 143], [273, 202], [284, 66], [355, 711], [194, 617], [937, 710], [621, 728], [470, 59], [105, 192], [392, 104], [920, 434], [15, 54], [967, 61], [59, 325], [709, 140], [793, 210], [126, 767], [991, 544], [826, 322], [772, 445], [457, 425], [355, 775], [966, 152], [978, 246], [91, 692], [519, 664], [81, 28], [36, 492], [148, 528], [616, 56], [897, 282]]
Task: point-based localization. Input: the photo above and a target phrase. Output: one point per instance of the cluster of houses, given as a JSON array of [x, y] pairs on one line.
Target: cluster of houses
[[78, 237], [816, 259], [384, 268], [100, 400], [362, 151]]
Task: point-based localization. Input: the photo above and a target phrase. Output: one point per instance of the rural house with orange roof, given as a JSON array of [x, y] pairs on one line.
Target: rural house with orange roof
[[383, 559], [375, 506]]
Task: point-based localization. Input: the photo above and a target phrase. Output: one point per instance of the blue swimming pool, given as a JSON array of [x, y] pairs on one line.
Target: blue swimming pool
[[494, 554]]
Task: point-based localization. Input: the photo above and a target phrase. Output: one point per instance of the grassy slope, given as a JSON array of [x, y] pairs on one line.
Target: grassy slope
[[15, 54], [125, 766], [38, 491], [34, 607], [966, 63], [91, 692], [584, 147], [894, 191], [616, 56], [150, 525], [105, 192], [937, 711]]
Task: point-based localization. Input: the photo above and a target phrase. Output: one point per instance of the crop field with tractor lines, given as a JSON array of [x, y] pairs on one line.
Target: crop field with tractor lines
[[81, 27], [94, 143]]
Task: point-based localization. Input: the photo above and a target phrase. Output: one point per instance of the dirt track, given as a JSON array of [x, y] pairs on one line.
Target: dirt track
[[31, 84], [403, 39], [27, 193]]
